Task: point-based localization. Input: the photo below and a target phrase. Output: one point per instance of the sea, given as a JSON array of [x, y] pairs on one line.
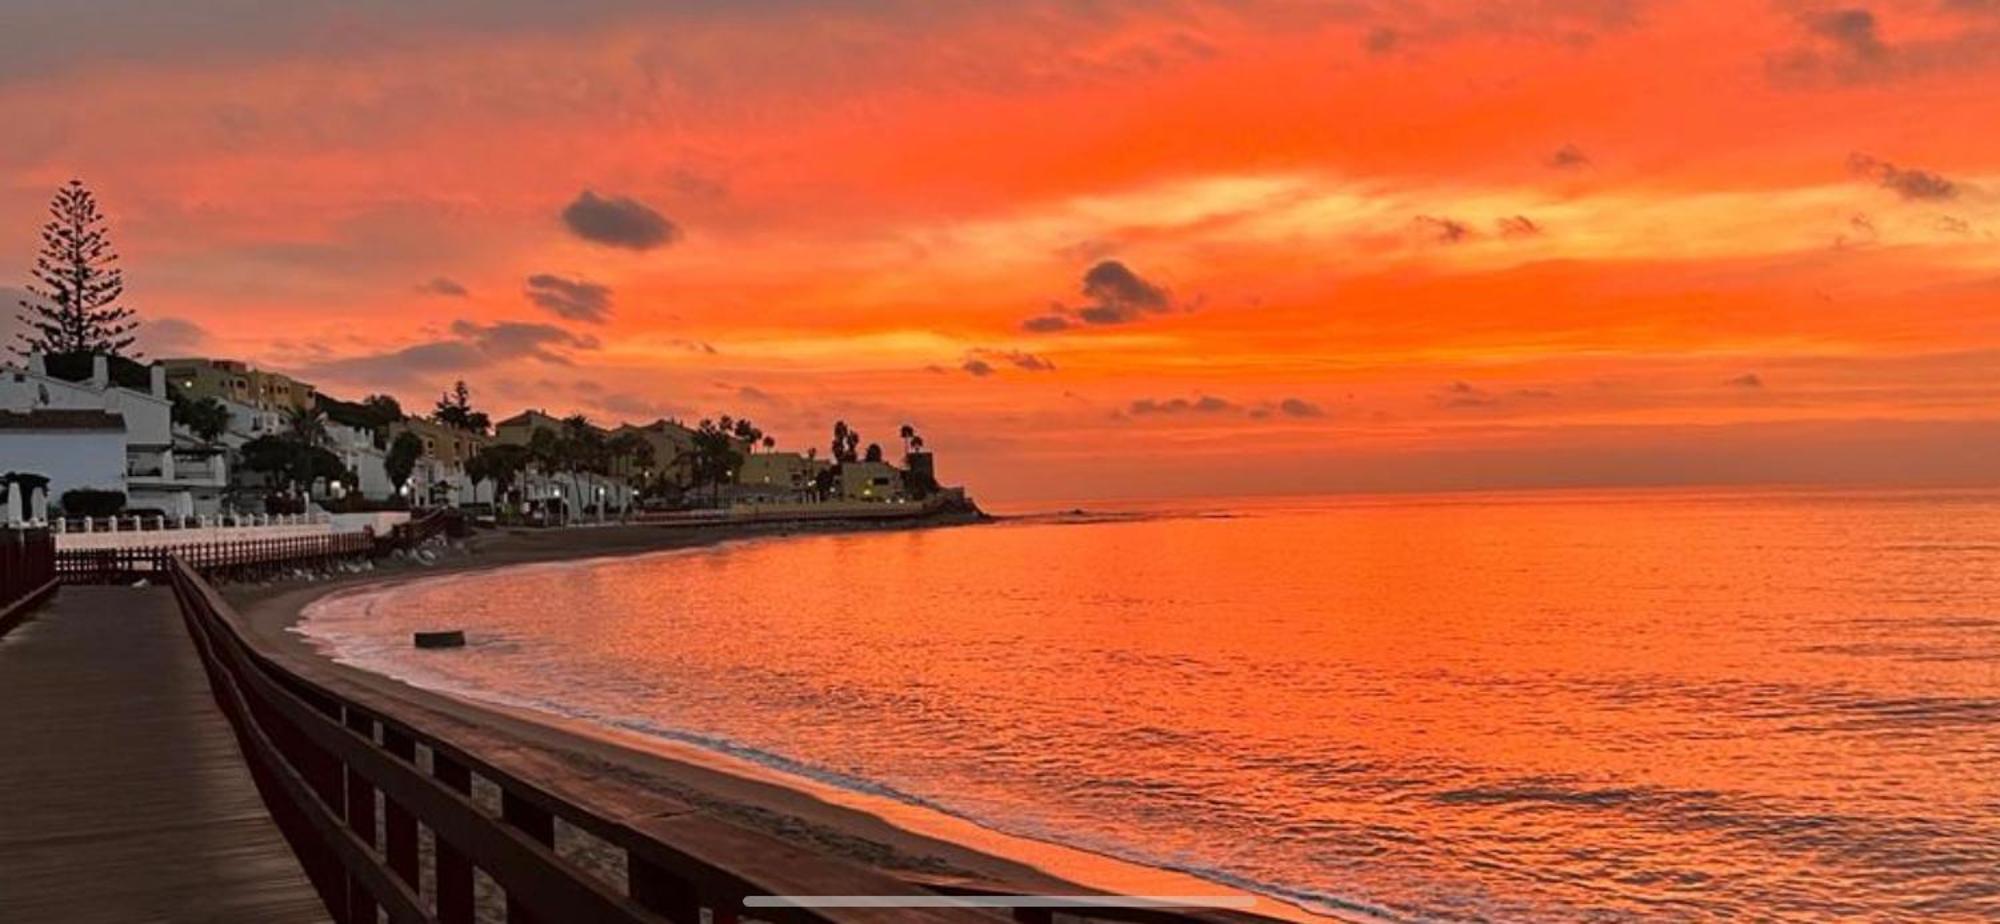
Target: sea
[[1550, 706]]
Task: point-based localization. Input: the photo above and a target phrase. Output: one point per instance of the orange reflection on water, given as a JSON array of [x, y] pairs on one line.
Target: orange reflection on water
[[1540, 707]]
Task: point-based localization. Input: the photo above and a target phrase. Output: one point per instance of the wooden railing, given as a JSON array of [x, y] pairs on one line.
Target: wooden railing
[[241, 558], [27, 572], [438, 522], [328, 766]]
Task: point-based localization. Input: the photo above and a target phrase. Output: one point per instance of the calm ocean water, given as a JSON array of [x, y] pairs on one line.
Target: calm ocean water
[[1535, 707]]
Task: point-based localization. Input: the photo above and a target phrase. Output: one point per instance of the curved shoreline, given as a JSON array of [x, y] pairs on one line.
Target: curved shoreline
[[875, 830]]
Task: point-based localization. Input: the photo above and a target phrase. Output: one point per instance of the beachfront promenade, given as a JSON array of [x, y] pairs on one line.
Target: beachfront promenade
[[158, 768], [125, 796]]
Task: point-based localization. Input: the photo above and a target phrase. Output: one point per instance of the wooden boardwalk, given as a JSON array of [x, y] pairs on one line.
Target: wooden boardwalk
[[123, 797]]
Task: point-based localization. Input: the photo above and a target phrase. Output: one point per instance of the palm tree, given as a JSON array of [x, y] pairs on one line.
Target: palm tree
[[501, 464], [305, 427]]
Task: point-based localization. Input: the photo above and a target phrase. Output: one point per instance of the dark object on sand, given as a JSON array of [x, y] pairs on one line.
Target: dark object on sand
[[454, 638]]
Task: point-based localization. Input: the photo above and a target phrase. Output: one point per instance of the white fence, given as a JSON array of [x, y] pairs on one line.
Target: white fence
[[153, 532]]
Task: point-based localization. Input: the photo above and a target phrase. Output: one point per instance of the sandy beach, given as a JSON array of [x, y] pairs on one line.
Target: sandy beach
[[575, 757]]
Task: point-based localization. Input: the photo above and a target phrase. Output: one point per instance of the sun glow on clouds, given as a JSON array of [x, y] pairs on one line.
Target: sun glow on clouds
[[1555, 240]]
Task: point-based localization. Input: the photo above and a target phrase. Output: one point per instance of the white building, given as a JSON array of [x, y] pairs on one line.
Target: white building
[[357, 451], [65, 431]]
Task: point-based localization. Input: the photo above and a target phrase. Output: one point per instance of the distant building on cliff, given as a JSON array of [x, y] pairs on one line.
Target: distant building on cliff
[[871, 481], [231, 380], [780, 476]]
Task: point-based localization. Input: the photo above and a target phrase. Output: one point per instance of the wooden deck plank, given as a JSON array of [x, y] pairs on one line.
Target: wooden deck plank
[[123, 796]]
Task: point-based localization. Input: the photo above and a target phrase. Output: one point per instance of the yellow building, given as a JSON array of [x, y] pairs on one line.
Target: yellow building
[[871, 481], [230, 380], [449, 446], [670, 442], [520, 428], [789, 473]]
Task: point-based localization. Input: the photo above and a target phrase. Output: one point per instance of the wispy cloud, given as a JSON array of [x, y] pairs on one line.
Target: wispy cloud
[[572, 299]]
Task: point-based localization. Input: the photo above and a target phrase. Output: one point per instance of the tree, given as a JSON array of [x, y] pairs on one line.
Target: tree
[[874, 452], [295, 463], [636, 453], [206, 418], [750, 434], [584, 446], [908, 433], [454, 409], [712, 459], [545, 449], [501, 464], [73, 304], [846, 440], [305, 428], [385, 409], [402, 458]]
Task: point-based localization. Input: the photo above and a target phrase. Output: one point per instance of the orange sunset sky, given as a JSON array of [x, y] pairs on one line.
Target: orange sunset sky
[[1089, 248]]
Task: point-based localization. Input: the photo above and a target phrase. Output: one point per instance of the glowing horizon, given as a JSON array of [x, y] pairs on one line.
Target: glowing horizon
[[1102, 249]]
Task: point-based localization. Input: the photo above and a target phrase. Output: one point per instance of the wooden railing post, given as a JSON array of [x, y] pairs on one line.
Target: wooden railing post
[[454, 871], [400, 827], [360, 819], [659, 890], [535, 822]]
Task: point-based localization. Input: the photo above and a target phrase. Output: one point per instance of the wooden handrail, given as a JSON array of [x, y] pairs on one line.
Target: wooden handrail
[[27, 572], [321, 759]]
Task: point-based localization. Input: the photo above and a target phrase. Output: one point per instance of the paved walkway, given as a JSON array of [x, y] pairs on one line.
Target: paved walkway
[[123, 797]]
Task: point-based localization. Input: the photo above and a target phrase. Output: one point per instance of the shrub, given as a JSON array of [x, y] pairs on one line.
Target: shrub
[[90, 502]]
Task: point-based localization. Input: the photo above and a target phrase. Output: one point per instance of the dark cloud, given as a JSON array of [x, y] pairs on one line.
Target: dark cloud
[[1952, 224], [1852, 32], [162, 338], [978, 367], [1518, 226], [470, 345], [1115, 295], [1445, 230], [1919, 185], [1746, 380], [1019, 359], [1030, 361], [1568, 157], [573, 299], [1382, 40], [1119, 296], [440, 285], [1205, 404], [1299, 407], [758, 395], [1467, 395], [1844, 45], [619, 221], [694, 346], [1210, 405], [1860, 231]]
